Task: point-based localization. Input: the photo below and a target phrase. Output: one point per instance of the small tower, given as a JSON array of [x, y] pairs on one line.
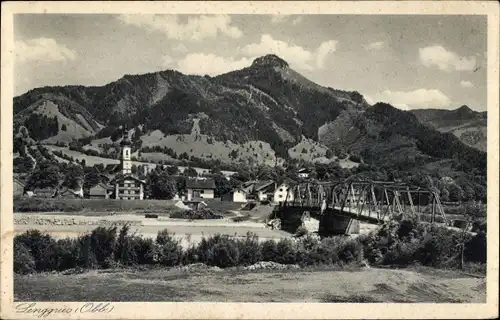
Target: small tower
[[126, 162]]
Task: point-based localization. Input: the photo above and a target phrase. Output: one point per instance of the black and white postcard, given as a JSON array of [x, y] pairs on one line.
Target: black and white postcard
[[250, 160]]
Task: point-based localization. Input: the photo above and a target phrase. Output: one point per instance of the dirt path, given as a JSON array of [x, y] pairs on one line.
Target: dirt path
[[371, 285]]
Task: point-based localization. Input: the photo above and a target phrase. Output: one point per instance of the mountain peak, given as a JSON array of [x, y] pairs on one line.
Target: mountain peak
[[465, 111], [270, 60], [464, 108]]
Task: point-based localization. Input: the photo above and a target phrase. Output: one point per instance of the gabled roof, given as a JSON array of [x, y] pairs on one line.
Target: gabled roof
[[98, 189], [261, 185], [200, 183], [256, 185], [128, 177], [287, 181], [68, 191], [112, 167], [240, 189]]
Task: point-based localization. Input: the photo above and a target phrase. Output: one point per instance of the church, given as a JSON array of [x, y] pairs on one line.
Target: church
[[126, 185]]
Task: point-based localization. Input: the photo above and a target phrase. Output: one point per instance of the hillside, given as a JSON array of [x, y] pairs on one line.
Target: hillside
[[264, 113], [393, 139], [265, 104], [466, 124]]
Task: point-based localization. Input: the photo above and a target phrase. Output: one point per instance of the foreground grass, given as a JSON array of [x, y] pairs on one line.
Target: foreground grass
[[306, 285]]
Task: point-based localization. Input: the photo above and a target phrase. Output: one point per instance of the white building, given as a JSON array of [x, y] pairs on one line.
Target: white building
[[265, 190], [236, 195], [126, 161], [281, 192], [128, 186], [304, 173], [200, 188]]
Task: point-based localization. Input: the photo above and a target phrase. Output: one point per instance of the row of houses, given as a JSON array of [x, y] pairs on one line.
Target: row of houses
[[130, 187], [260, 191]]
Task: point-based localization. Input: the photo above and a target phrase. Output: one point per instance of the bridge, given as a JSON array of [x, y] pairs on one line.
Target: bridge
[[338, 204]]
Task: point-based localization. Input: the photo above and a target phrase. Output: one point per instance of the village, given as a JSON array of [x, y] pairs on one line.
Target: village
[[123, 184]]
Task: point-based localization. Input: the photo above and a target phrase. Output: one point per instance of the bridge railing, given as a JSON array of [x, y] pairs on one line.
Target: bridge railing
[[370, 199]]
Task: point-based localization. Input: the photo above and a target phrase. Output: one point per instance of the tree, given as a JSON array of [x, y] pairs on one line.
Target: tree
[[456, 192], [46, 175], [162, 186], [190, 172], [91, 178], [473, 212], [23, 164], [72, 176], [173, 170], [224, 185], [133, 169]]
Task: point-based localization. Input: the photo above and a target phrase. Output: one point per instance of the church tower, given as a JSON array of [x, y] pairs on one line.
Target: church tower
[[126, 162]]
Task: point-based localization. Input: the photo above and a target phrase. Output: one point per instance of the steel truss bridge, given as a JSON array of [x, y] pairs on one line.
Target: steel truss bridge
[[371, 202]]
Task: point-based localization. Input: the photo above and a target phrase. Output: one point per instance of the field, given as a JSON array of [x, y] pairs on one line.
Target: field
[[362, 285], [90, 205]]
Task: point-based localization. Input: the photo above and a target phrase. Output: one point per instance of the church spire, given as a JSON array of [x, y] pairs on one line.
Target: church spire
[[126, 162]]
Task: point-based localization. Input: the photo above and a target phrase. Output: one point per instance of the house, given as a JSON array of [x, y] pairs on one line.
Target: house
[[284, 191], [129, 187], [18, 187], [304, 173], [235, 195], [259, 190], [264, 189], [99, 191], [200, 188]]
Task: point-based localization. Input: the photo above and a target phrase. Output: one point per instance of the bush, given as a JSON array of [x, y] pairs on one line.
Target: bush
[[396, 243], [131, 250], [250, 250], [63, 255], [37, 244], [86, 256], [23, 260], [102, 243], [308, 251], [201, 214], [351, 250], [218, 250], [269, 250], [168, 250], [475, 248], [143, 249], [285, 252]]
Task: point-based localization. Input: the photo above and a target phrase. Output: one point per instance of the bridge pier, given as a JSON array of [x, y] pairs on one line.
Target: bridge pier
[[333, 223]]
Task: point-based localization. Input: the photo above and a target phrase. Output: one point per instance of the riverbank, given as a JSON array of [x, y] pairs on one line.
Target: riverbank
[[189, 232]]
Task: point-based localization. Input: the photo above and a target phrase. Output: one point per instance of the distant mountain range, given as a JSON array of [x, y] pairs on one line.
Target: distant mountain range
[[260, 113], [468, 125]]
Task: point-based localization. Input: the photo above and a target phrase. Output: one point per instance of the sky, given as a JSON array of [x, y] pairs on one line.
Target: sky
[[410, 61]]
